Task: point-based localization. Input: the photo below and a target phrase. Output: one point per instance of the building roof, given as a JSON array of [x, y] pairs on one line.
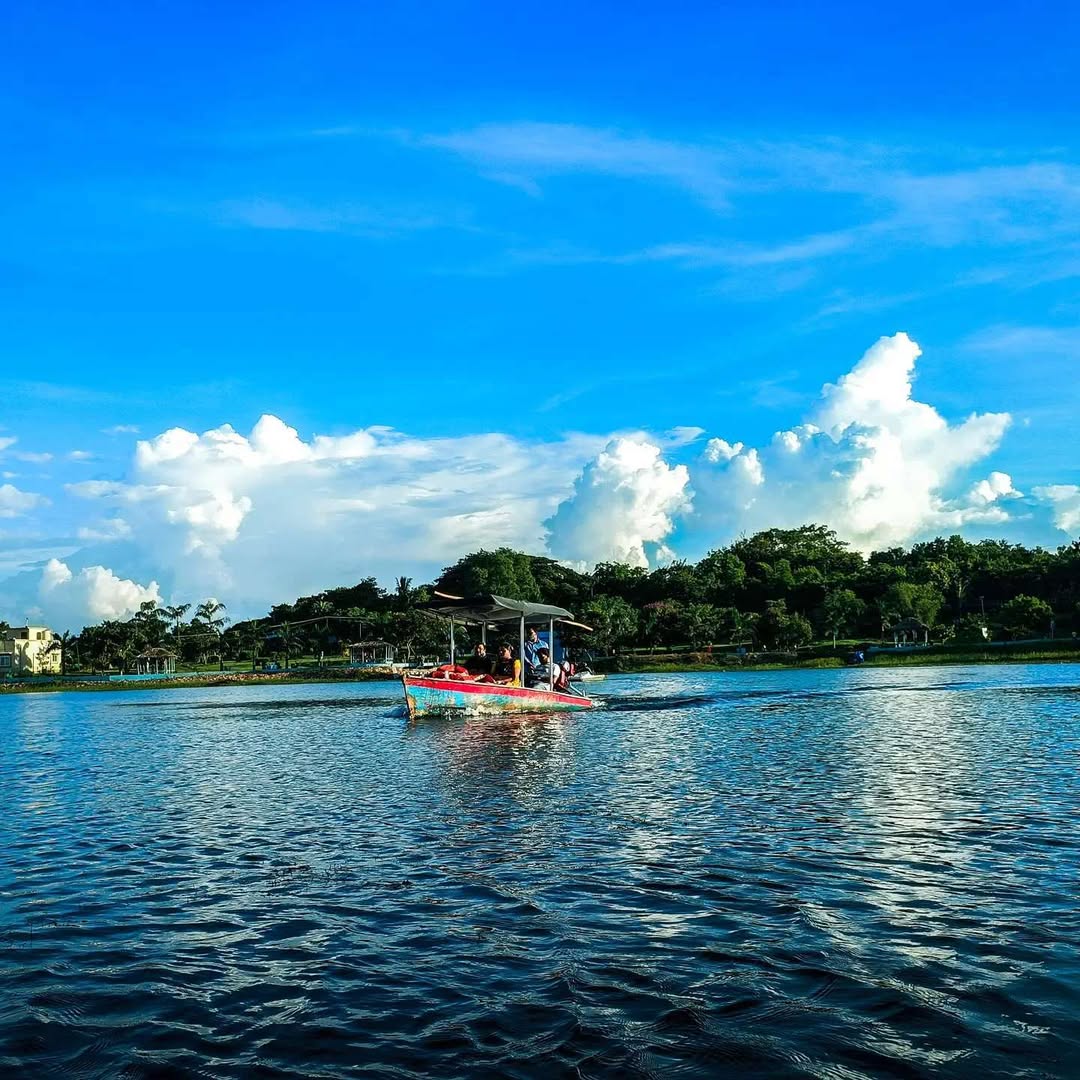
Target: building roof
[[155, 653], [908, 624]]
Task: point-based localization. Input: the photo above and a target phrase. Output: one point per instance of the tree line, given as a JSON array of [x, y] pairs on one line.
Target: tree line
[[775, 590]]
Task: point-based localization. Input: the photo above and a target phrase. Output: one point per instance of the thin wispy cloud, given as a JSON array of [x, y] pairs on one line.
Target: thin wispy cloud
[[518, 153], [1053, 341], [898, 194], [346, 218]]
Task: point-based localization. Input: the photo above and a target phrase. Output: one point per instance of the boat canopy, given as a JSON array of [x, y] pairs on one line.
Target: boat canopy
[[491, 608]]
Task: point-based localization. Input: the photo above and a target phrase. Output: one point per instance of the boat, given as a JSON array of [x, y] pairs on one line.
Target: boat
[[590, 676], [450, 690]]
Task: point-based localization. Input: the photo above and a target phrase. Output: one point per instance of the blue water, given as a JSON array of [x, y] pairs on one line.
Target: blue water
[[834, 874]]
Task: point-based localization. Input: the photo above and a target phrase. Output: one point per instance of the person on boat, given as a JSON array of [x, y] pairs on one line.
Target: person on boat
[[479, 664], [533, 645], [507, 668], [542, 676]]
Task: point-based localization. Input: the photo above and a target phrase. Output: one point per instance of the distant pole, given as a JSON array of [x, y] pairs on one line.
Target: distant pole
[[982, 605]]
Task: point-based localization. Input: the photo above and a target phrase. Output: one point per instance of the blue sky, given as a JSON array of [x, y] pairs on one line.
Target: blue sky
[[546, 224]]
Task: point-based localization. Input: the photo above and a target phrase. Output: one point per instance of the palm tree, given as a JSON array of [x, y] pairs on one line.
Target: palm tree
[[404, 593], [64, 643], [209, 613], [176, 612]]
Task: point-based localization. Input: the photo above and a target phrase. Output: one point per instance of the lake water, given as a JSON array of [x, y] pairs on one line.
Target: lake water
[[835, 874]]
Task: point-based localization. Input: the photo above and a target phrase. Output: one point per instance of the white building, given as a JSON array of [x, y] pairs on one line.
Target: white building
[[30, 650]]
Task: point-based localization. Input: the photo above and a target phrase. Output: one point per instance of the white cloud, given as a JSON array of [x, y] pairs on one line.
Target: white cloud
[[1064, 501], [14, 503], [268, 515], [32, 458], [997, 485], [72, 599], [105, 531], [871, 462], [347, 217], [80, 455], [7, 441], [555, 148], [121, 429], [622, 507], [972, 198]]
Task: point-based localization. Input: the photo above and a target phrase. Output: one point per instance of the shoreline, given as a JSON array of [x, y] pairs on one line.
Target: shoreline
[[881, 660]]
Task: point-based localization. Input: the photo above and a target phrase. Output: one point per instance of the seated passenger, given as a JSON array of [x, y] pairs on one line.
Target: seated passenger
[[479, 664], [546, 671], [507, 669]]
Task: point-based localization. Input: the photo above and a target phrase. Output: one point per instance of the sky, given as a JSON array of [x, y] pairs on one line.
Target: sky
[[290, 296]]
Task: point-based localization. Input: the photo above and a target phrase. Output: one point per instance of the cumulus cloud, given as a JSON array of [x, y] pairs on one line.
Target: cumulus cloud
[[72, 599], [1064, 502], [872, 462], [269, 514], [14, 503], [622, 506]]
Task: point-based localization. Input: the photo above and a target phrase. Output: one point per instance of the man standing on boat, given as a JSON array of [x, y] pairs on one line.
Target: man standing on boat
[[533, 645]]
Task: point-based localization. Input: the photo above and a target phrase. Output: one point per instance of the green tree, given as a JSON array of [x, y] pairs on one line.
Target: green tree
[[971, 629], [176, 613], [67, 642], [503, 572], [210, 615], [678, 581], [840, 611], [707, 624], [629, 583], [148, 624], [721, 575], [614, 622], [907, 600], [1026, 616], [778, 628]]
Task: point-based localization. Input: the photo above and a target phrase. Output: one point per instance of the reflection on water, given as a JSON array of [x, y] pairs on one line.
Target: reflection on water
[[835, 874]]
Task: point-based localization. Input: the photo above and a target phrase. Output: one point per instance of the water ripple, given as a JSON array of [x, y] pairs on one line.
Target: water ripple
[[835, 874]]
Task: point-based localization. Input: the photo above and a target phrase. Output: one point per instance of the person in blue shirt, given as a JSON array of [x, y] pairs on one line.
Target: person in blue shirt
[[533, 645]]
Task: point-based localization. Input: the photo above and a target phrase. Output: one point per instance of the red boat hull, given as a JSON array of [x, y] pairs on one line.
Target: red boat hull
[[426, 696]]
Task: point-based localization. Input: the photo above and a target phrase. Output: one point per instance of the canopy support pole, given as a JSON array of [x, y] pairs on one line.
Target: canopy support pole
[[521, 648], [483, 633], [451, 641], [551, 653]]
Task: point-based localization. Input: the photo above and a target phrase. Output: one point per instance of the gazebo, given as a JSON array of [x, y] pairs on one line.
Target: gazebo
[[908, 632], [371, 653], [155, 661]]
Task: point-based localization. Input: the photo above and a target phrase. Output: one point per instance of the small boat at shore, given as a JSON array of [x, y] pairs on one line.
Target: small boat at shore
[[451, 690]]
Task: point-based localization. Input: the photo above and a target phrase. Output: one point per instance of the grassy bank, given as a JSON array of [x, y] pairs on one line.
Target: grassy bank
[[819, 656], [185, 681], [826, 656]]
